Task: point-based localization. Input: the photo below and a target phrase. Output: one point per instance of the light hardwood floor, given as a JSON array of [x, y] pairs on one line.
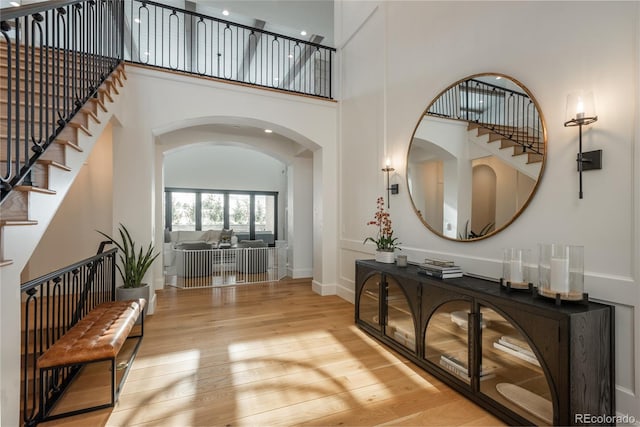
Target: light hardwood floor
[[270, 354]]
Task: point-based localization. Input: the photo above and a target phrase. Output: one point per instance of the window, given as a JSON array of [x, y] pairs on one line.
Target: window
[[239, 213], [212, 211], [264, 213], [251, 214], [183, 211]]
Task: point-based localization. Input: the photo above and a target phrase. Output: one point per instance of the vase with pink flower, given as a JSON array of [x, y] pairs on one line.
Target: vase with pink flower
[[386, 244]]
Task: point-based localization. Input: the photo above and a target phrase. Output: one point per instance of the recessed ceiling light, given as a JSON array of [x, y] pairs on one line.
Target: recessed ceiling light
[[137, 20], [268, 131], [225, 12], [14, 3], [303, 33]]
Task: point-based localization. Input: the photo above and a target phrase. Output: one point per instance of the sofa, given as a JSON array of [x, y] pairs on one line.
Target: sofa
[[212, 237], [191, 240]]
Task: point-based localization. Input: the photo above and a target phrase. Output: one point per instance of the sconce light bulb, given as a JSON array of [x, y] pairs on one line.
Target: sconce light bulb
[[388, 162], [580, 108]]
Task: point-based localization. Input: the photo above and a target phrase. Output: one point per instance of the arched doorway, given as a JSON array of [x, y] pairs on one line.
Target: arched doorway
[[234, 156]]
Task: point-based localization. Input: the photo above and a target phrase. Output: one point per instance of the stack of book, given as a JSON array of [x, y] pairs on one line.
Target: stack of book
[[440, 269], [516, 347], [459, 368]]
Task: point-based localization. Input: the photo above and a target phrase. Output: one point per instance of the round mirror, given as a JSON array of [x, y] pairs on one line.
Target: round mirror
[[476, 157]]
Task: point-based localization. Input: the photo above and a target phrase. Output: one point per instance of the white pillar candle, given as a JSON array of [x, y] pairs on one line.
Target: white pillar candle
[[559, 275], [516, 271]]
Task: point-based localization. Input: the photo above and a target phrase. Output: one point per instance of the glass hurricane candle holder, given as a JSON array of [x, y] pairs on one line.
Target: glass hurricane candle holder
[[561, 271], [401, 260], [515, 272]]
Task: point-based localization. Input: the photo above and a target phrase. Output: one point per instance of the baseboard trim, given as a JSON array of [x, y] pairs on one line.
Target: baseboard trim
[[152, 303], [323, 289], [346, 294], [299, 273]]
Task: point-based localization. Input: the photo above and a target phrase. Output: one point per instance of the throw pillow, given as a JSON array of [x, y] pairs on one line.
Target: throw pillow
[[225, 235]]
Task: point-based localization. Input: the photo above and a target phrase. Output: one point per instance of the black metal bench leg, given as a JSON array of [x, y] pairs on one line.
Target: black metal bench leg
[[113, 382]]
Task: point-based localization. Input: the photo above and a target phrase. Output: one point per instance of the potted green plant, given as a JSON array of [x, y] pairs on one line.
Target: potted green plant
[[386, 244], [133, 264]]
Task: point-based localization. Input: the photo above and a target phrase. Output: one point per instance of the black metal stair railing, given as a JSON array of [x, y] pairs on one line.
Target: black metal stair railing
[[54, 56], [189, 42], [51, 305], [509, 113]]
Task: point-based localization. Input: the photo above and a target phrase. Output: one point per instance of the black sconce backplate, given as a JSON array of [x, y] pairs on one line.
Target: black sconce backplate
[[591, 160]]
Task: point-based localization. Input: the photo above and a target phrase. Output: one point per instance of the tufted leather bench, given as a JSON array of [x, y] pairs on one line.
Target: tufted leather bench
[[97, 337]]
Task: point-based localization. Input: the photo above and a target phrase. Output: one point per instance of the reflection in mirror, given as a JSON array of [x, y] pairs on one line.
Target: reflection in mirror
[[476, 157]]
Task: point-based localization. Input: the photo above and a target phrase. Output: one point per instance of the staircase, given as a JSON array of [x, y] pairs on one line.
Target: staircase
[[515, 146], [27, 210], [28, 207]]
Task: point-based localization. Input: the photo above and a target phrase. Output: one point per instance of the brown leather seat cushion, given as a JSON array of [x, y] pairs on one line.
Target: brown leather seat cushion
[[99, 335]]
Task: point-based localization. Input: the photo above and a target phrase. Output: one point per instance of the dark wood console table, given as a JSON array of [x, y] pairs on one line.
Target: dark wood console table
[[520, 356]]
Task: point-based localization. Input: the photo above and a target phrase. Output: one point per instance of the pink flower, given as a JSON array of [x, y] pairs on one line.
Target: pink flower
[[384, 239]]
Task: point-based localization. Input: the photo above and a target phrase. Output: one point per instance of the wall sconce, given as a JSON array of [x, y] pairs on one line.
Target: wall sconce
[[581, 112], [391, 189]]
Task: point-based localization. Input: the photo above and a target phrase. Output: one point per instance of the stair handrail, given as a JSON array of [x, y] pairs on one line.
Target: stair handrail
[[9, 13], [48, 305], [57, 55], [516, 114], [81, 305]]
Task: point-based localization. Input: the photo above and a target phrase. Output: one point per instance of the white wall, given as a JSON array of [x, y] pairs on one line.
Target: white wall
[[159, 103], [397, 56], [224, 168], [299, 214], [218, 167], [85, 209]]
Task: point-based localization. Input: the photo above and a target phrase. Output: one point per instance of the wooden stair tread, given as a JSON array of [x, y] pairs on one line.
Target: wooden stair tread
[[71, 144], [80, 127], [58, 165], [36, 122], [112, 84], [106, 93], [534, 158], [120, 69], [17, 222], [99, 103], [90, 114], [60, 141], [32, 189]]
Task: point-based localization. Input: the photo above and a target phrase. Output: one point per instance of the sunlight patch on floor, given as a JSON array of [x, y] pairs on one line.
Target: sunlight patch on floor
[[185, 358]]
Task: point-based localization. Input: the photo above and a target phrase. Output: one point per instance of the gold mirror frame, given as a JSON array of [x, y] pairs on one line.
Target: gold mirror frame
[[482, 77]]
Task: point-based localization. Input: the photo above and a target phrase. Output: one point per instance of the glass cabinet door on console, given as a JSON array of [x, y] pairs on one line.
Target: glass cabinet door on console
[[446, 341], [513, 374], [523, 358], [399, 325], [369, 305]]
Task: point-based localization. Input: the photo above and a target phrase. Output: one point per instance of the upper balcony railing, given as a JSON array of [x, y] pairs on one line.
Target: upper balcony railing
[[189, 42], [55, 55], [509, 113]]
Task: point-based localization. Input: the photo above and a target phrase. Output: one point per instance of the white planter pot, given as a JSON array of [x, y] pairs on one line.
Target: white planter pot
[[126, 294], [387, 257]]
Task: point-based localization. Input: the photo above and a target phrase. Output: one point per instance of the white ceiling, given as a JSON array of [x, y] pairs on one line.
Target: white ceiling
[[288, 17]]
